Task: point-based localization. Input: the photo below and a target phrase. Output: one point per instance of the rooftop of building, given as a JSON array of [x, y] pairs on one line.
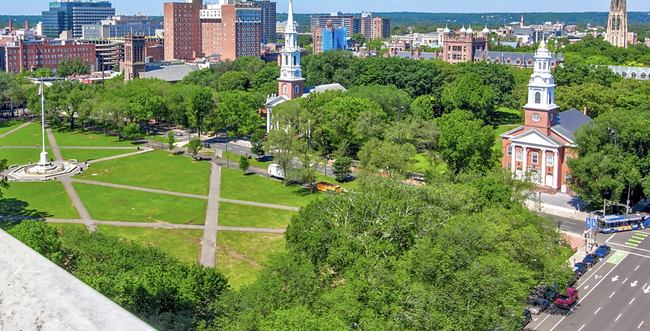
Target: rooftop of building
[[568, 122], [171, 73], [39, 295]]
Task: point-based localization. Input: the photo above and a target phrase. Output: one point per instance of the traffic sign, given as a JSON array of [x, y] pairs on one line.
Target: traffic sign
[[592, 223]]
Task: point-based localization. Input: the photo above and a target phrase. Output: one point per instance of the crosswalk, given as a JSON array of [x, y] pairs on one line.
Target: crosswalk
[[636, 239]]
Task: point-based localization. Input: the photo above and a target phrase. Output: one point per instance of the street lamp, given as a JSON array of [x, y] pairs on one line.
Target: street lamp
[[613, 133]]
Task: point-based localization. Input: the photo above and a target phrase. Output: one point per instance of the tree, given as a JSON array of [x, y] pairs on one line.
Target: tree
[[387, 156], [308, 168], [470, 93], [3, 181], [341, 169], [425, 108], [257, 140], [597, 98], [132, 131], [304, 40], [238, 111], [359, 39], [243, 164], [199, 105], [465, 143], [234, 81], [281, 145], [195, 146], [613, 157], [171, 140]]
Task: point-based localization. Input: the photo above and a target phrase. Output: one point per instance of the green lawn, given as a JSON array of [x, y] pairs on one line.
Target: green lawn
[[65, 137], [422, 164], [83, 155], [22, 156], [27, 136], [6, 126], [46, 199], [232, 214], [253, 162], [184, 245], [157, 170], [113, 204], [353, 185], [509, 116], [498, 146], [240, 254], [63, 227], [259, 189]]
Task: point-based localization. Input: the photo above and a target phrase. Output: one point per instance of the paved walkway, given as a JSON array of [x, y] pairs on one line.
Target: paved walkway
[[144, 150], [209, 245], [154, 225], [74, 147], [15, 129], [53, 145]]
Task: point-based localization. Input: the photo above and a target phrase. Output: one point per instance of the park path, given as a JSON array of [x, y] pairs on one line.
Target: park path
[[209, 244], [53, 144], [74, 147], [15, 129], [154, 225], [144, 150]]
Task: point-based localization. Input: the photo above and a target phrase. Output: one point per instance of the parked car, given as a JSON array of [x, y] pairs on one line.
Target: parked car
[[550, 293], [567, 300], [580, 269], [538, 306], [527, 318], [602, 251], [590, 260], [572, 281]]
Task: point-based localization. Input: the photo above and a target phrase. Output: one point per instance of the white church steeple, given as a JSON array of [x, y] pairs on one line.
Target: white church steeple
[[291, 82], [541, 89]]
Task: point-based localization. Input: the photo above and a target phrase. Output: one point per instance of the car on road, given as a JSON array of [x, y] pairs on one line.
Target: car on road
[[603, 250], [579, 269], [567, 300], [538, 306], [527, 318], [590, 260], [550, 292]]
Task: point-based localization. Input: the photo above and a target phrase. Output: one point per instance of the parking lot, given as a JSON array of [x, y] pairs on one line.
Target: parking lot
[[613, 294]]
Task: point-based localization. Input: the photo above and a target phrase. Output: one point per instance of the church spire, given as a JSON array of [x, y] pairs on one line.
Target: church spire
[[290, 28]]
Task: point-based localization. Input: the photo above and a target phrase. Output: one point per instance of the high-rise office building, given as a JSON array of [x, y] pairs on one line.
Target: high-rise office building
[[268, 20], [330, 38], [121, 25], [182, 29], [369, 26], [71, 16]]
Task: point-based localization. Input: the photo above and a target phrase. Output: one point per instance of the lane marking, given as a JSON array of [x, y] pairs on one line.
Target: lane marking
[[640, 324], [583, 298], [597, 310], [612, 295], [583, 325], [641, 249], [619, 316], [540, 323], [641, 234], [637, 268], [631, 301], [624, 281], [635, 241], [617, 257]]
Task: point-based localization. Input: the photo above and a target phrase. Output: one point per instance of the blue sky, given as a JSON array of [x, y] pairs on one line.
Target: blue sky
[[154, 7]]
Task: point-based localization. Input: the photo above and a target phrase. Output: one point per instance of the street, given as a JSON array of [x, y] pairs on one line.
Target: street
[[613, 295]]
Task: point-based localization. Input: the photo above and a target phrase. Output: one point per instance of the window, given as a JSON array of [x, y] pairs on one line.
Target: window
[[285, 91], [568, 157], [535, 158], [538, 97], [510, 150], [297, 89], [549, 160], [519, 156], [568, 178]]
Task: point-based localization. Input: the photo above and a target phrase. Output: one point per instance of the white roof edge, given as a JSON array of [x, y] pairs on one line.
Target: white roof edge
[[507, 133], [563, 136], [36, 291], [534, 131]]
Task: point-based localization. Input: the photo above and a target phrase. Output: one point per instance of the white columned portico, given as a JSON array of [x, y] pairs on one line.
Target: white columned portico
[[524, 169], [268, 119], [555, 170]]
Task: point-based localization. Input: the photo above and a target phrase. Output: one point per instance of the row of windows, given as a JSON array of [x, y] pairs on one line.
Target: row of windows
[[535, 157], [50, 50]]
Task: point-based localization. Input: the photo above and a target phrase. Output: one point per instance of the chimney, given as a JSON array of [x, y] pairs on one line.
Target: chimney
[[585, 111], [26, 24], [411, 54], [11, 25], [521, 25]]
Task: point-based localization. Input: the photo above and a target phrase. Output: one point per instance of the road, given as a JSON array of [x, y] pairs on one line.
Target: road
[[614, 294], [570, 225]]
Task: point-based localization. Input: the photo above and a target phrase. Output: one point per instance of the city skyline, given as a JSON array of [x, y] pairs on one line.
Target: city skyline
[[155, 7]]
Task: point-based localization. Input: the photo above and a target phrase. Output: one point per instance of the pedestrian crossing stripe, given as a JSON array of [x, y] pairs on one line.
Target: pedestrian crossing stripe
[[635, 241], [630, 244], [638, 238], [641, 234]]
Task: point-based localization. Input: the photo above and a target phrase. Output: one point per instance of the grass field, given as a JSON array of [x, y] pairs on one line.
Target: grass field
[[66, 137], [253, 162], [156, 170], [259, 189], [27, 136], [83, 155], [240, 254], [232, 214], [181, 244], [422, 164], [113, 204], [68, 227], [47, 199], [6, 126], [509, 116], [353, 185], [22, 156]]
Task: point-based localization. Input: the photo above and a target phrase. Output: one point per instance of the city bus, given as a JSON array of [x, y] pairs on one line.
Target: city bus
[[619, 223]]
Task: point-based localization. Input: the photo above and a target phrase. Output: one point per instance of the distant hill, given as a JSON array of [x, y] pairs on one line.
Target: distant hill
[[19, 20], [491, 19]]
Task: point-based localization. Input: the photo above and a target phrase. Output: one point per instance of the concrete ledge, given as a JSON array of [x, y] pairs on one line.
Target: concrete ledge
[[35, 294]]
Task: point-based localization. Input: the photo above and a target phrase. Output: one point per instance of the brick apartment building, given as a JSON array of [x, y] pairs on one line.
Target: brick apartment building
[[230, 28], [462, 46], [33, 55]]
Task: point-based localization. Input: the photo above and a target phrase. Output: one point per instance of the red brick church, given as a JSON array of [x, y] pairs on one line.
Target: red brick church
[[541, 147]]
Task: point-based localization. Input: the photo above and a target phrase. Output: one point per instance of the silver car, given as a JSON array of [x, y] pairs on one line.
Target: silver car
[[538, 306]]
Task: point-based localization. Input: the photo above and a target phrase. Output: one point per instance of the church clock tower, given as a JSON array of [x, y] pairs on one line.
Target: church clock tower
[[541, 110], [291, 83], [617, 23]]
